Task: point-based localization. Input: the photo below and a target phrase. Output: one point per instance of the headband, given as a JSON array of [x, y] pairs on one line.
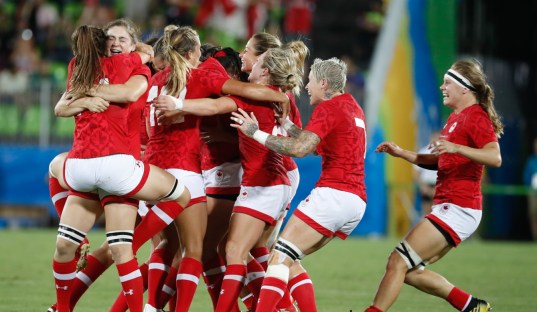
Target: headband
[[220, 54], [459, 79]]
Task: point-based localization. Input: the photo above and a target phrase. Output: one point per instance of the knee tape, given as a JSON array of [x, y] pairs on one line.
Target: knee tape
[[71, 234], [408, 254], [289, 249], [119, 237], [176, 192], [279, 271]]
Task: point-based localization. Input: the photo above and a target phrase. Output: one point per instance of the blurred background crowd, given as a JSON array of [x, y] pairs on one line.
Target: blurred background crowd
[[35, 49]]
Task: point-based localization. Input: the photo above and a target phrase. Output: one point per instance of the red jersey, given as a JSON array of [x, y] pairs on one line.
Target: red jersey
[[137, 130], [178, 145], [262, 167], [459, 178], [106, 133], [340, 124]]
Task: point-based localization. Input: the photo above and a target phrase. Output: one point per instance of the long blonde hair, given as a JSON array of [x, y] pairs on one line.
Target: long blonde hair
[[472, 70], [177, 42]]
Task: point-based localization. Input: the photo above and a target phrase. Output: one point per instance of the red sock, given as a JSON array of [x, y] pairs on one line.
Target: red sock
[[58, 194], [172, 301], [155, 221], [121, 304], [248, 301], [254, 280], [231, 287], [213, 273], [159, 265], [64, 274], [132, 284], [373, 309], [261, 255], [168, 290], [85, 278], [271, 292], [286, 303], [301, 288], [188, 277], [458, 298]]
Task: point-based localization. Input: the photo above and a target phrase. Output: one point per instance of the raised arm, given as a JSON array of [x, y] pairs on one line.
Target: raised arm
[[301, 144]]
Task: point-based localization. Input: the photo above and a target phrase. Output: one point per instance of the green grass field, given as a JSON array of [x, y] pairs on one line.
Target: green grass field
[[345, 275]]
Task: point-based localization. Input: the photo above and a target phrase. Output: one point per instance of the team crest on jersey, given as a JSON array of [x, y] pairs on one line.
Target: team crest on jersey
[[244, 195], [104, 81], [452, 127], [219, 176]]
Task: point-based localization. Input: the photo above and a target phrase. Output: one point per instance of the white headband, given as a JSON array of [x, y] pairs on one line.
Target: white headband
[[459, 79]]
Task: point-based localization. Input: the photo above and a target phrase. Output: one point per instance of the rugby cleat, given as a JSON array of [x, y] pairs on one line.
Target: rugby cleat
[[478, 305], [52, 308], [82, 252]]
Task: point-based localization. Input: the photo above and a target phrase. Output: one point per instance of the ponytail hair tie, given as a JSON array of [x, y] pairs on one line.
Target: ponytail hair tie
[[220, 54]]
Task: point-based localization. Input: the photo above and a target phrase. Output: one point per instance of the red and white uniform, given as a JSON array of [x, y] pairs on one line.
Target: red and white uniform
[[458, 200], [265, 176], [177, 146], [459, 178], [340, 124], [102, 156]]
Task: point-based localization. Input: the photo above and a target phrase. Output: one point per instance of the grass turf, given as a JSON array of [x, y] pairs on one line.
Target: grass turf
[[345, 275]]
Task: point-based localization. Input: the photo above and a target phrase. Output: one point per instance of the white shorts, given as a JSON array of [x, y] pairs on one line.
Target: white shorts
[[266, 203], [294, 178], [223, 179], [331, 212], [456, 221], [193, 181], [118, 174]]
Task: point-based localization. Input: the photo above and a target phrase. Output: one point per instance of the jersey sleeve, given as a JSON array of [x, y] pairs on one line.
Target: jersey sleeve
[[481, 130], [212, 76], [142, 70], [294, 114], [70, 69], [322, 120]]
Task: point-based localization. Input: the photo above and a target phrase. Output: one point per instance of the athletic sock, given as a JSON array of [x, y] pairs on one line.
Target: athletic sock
[[271, 292], [168, 289], [213, 273], [58, 194], [155, 221], [261, 255], [85, 278], [159, 266], [301, 289], [64, 274], [121, 304], [458, 298], [188, 277], [132, 284], [231, 287], [254, 280]]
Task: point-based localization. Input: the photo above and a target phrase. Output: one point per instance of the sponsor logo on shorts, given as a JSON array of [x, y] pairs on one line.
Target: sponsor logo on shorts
[[444, 209]]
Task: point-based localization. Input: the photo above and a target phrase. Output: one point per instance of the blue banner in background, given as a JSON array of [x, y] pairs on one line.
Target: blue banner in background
[[24, 175]]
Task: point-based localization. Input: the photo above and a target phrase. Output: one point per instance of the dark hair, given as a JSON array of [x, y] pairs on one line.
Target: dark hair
[[88, 44], [228, 57]]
